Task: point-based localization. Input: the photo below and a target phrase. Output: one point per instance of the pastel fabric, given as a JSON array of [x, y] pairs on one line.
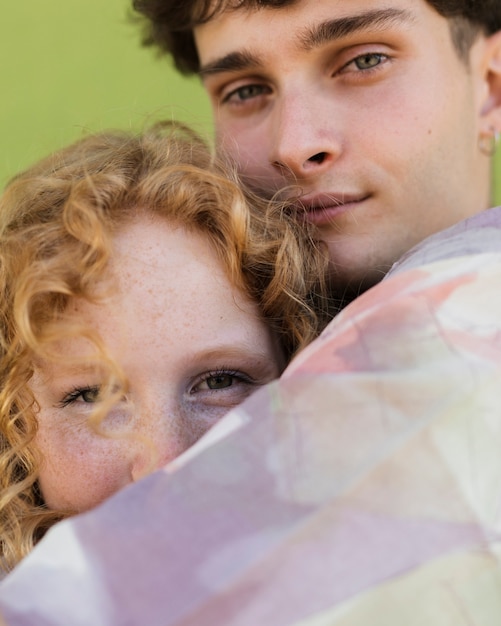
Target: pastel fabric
[[362, 489]]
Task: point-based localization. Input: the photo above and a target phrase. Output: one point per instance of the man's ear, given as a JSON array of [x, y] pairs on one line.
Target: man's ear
[[491, 108]]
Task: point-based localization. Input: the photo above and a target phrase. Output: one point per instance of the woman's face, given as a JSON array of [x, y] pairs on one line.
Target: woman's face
[[190, 344]]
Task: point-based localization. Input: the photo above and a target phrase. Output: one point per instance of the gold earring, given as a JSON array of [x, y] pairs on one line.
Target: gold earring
[[488, 143]]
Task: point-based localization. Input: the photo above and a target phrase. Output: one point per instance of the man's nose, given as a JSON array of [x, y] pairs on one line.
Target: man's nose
[[305, 140]]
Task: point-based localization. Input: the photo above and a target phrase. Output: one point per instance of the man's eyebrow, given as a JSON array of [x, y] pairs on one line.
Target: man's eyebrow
[[313, 37], [331, 30], [233, 62]]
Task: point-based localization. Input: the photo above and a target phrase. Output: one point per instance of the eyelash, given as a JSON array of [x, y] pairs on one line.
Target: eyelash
[[233, 98], [76, 394], [73, 396], [379, 55], [235, 92], [234, 374]]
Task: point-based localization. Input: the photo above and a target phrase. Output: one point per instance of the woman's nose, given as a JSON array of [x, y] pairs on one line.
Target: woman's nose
[[161, 437]]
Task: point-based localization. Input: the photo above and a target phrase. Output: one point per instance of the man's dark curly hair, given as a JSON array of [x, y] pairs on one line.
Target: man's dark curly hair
[[169, 23]]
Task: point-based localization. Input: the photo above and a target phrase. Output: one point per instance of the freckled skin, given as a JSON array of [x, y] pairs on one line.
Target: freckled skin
[[174, 318]]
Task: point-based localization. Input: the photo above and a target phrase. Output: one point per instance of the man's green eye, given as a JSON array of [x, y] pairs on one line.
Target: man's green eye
[[368, 61], [247, 92]]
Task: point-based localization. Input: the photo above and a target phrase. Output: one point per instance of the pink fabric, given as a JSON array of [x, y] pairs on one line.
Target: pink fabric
[[362, 489]]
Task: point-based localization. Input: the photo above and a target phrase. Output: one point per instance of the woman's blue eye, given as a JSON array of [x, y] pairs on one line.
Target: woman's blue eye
[[219, 381], [88, 395], [222, 380]]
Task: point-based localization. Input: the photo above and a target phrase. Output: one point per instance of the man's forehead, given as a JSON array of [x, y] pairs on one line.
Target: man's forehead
[[231, 12], [216, 8]]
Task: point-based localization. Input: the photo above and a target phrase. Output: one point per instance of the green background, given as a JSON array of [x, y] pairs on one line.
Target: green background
[[73, 66]]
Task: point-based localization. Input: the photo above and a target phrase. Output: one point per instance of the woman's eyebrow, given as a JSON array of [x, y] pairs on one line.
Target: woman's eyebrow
[[330, 30]]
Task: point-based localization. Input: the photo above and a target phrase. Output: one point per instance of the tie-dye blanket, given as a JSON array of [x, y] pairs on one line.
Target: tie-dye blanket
[[362, 489]]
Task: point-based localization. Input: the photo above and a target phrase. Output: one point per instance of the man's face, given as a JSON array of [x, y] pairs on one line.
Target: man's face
[[365, 106]]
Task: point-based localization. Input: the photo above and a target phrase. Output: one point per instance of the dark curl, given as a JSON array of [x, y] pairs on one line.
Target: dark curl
[[168, 24]]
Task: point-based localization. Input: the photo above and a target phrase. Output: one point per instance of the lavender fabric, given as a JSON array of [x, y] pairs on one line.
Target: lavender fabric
[[361, 489]]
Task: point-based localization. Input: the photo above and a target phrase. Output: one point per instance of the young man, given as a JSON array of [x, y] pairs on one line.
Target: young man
[[380, 113], [362, 488]]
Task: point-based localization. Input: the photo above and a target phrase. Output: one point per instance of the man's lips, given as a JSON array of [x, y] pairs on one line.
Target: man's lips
[[323, 208]]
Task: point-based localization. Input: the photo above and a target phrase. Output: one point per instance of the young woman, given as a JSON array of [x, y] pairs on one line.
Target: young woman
[[144, 294]]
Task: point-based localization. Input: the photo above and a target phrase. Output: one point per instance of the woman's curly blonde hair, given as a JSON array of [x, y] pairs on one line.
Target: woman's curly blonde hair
[[56, 225]]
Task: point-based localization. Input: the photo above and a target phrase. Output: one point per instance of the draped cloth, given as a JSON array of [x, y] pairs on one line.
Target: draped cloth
[[361, 489]]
